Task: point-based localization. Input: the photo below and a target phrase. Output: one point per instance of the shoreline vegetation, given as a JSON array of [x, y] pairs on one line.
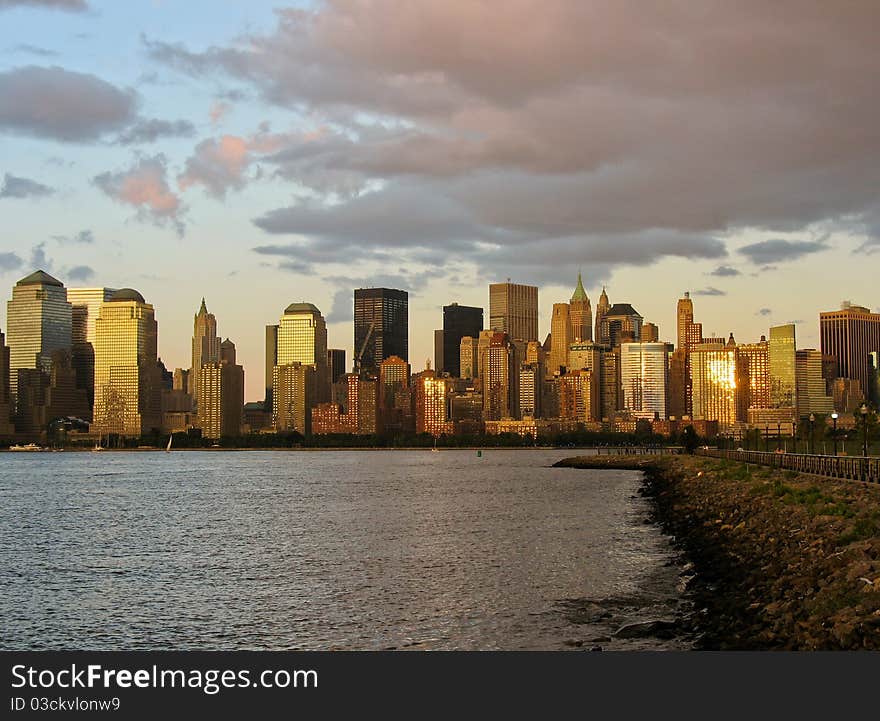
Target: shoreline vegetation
[[782, 561]]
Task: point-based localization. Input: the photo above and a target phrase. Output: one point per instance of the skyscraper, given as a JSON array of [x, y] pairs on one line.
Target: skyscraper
[[302, 338], [468, 358], [293, 387], [38, 321], [459, 321], [271, 360], [581, 314], [812, 396], [756, 358], [513, 309], [499, 365], [438, 350], [560, 338], [783, 378], [205, 346], [643, 375], [621, 323], [685, 315], [650, 333], [127, 382], [717, 374], [601, 309], [221, 395], [393, 400], [336, 363], [381, 327], [5, 404], [432, 403], [851, 335], [85, 305]]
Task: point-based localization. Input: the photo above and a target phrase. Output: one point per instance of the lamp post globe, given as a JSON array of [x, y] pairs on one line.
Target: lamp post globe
[[834, 417]]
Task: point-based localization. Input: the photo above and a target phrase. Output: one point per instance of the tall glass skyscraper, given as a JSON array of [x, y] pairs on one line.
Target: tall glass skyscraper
[[458, 321], [783, 367], [205, 346], [302, 338], [513, 309], [643, 376], [381, 327], [38, 322], [127, 378]]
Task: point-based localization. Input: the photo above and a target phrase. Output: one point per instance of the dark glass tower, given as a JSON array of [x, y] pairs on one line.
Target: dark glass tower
[[381, 327], [458, 321]]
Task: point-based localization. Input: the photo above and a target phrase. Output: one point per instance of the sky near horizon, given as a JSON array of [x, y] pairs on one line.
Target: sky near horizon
[[260, 153]]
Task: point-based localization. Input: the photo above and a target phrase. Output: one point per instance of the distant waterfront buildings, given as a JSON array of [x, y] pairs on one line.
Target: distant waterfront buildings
[[85, 305], [381, 327], [336, 364], [221, 395], [6, 427], [580, 314], [643, 374]]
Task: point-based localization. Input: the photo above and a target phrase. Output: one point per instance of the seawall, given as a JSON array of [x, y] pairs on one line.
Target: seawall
[[782, 560]]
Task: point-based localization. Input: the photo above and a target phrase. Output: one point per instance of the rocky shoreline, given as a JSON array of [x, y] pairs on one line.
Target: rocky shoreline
[[781, 560]]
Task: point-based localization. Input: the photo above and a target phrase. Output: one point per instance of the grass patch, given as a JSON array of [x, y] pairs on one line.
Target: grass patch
[[864, 527]]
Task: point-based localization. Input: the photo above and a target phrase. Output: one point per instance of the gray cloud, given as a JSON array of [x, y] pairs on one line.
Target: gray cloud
[[80, 273], [34, 50], [777, 250], [10, 261], [725, 271], [16, 187], [39, 259], [62, 105], [556, 135], [74, 6], [710, 291], [764, 311], [83, 236], [150, 130]]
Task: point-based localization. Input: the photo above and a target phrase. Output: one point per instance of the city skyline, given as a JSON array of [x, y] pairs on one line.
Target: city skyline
[[180, 144]]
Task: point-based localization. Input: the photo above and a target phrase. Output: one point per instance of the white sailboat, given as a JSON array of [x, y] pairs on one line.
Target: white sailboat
[[168, 447]]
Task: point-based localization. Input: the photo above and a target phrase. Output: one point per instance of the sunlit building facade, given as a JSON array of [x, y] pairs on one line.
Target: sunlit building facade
[[85, 305], [580, 315], [432, 404], [852, 335], [513, 309], [579, 396], [293, 392], [756, 362], [717, 376], [499, 365], [221, 394], [812, 395], [39, 320], [783, 377], [560, 338], [6, 427], [302, 338], [643, 375], [128, 393]]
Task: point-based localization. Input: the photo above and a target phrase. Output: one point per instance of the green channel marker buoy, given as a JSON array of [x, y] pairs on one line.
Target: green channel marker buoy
[[479, 454]]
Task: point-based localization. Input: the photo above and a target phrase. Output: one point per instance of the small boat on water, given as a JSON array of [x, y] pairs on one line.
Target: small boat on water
[[29, 447], [168, 447]]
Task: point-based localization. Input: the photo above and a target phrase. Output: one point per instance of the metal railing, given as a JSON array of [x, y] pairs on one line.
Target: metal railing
[[853, 468]]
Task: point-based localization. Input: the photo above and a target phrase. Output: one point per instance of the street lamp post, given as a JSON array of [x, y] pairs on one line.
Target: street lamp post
[[812, 435], [864, 411], [794, 430], [834, 419], [766, 438], [778, 435]]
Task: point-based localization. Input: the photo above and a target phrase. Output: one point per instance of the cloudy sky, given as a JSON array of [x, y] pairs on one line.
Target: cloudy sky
[[262, 153]]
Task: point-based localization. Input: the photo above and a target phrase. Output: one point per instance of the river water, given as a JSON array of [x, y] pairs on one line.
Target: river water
[[327, 550]]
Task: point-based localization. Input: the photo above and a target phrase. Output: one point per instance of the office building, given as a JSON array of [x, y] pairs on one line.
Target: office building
[[643, 374], [756, 365], [39, 321], [812, 396], [381, 327], [560, 338], [432, 403], [302, 338], [621, 324], [531, 382], [336, 364], [579, 396], [205, 346], [395, 414], [459, 322], [851, 335], [601, 310], [221, 394], [717, 375], [499, 364], [650, 333], [468, 355], [85, 304], [783, 379], [580, 315], [128, 390], [271, 360], [6, 427], [293, 393], [438, 350], [513, 309]]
